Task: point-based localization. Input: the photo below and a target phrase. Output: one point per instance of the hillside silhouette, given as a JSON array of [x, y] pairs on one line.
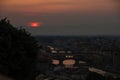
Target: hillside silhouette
[[18, 50]]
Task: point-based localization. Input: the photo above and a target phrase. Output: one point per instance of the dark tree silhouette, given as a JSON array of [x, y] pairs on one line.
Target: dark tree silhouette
[[18, 50]]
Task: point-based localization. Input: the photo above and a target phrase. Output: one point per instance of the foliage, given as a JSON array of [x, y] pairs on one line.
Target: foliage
[[18, 50]]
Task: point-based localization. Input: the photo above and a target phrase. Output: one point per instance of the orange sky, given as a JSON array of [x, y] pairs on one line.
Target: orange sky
[[59, 16], [57, 6]]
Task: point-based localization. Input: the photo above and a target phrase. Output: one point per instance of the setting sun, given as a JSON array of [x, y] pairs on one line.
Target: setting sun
[[34, 24]]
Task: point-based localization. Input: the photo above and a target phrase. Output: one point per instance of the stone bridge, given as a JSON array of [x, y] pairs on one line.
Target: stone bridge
[[62, 58]]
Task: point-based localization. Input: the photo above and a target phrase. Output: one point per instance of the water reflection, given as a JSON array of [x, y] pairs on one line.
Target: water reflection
[[67, 63], [55, 62]]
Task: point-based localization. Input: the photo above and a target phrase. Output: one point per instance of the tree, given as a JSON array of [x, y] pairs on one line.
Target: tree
[[18, 51]]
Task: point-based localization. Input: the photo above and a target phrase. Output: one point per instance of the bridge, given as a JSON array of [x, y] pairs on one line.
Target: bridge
[[81, 59], [61, 58]]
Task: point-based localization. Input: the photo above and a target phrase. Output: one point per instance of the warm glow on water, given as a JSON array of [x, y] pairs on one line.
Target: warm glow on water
[[65, 62], [69, 62], [55, 62]]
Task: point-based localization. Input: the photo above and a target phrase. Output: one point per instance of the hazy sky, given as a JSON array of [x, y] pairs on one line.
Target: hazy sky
[[64, 17]]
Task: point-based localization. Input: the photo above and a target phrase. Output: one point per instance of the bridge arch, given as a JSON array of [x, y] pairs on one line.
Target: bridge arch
[[69, 63], [55, 61]]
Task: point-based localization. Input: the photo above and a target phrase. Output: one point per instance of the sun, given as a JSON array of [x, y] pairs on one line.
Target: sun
[[34, 24]]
